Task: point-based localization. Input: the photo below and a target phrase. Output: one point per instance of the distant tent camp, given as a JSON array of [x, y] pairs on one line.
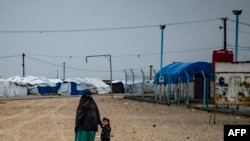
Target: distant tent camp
[[179, 71], [19, 85]]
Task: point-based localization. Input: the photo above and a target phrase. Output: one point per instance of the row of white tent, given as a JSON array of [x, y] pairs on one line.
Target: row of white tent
[[20, 86]]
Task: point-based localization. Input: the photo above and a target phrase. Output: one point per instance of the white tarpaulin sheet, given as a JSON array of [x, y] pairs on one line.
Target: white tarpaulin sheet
[[84, 84], [10, 89], [100, 86]]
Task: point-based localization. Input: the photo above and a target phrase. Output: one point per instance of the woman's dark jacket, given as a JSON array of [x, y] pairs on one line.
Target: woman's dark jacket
[[87, 114]]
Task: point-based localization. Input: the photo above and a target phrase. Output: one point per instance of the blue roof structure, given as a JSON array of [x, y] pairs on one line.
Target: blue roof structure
[[177, 71]]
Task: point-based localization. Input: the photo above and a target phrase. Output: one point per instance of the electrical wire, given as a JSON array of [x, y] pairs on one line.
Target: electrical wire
[[239, 31], [73, 68], [245, 56], [239, 22], [240, 47], [10, 56], [128, 55], [56, 56], [104, 29], [75, 30]]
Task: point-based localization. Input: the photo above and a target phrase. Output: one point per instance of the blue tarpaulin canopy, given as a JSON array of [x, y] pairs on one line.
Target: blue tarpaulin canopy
[[176, 72]]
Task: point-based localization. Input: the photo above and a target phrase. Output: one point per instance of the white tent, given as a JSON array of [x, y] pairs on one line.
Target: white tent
[[27, 80], [77, 86], [31, 82], [100, 86], [10, 89], [17, 90], [34, 85], [74, 86], [4, 87]]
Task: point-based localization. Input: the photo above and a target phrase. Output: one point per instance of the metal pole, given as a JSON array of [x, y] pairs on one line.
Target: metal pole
[[162, 36], [169, 90], [111, 79], [63, 70], [162, 27], [236, 38], [225, 32], [150, 73], [143, 83], [126, 79], [23, 65], [133, 82], [204, 90], [237, 13], [187, 95]]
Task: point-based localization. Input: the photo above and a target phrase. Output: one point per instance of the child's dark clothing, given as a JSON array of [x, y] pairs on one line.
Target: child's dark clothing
[[105, 135]]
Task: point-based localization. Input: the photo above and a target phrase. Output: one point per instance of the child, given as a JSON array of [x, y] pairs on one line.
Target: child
[[106, 130]]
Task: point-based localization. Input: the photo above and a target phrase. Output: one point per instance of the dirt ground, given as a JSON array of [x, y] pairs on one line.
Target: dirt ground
[[52, 119]]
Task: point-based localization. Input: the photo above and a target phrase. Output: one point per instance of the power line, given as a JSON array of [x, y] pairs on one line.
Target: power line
[[75, 30], [128, 55], [239, 31], [10, 56], [243, 47], [57, 56], [104, 29], [43, 61], [74, 68], [196, 21], [245, 56], [239, 22]]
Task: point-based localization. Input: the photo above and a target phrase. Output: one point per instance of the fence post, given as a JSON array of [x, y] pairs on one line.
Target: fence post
[[133, 82], [126, 80], [179, 90], [204, 90], [143, 82], [169, 90], [155, 85], [187, 98]]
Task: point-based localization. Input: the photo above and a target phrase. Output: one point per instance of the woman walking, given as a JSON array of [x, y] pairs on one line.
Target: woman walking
[[87, 118]]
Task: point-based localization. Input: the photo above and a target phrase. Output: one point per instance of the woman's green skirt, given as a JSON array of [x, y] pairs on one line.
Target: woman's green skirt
[[81, 135]]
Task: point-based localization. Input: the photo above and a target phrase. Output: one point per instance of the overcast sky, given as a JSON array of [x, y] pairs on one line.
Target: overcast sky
[[50, 32]]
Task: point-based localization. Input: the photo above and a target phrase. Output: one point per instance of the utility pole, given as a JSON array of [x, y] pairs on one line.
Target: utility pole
[[63, 70], [237, 13], [162, 27], [150, 73], [23, 65], [161, 78], [225, 32], [57, 71]]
